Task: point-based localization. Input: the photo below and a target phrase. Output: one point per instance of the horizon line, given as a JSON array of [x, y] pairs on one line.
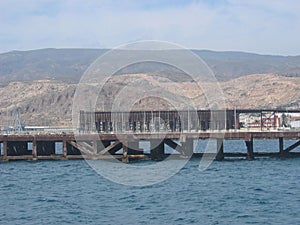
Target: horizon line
[[107, 49]]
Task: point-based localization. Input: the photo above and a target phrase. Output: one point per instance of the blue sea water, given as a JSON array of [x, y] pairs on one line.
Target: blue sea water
[[235, 191]]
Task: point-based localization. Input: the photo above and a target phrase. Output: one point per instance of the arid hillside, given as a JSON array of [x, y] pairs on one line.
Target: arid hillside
[[263, 91], [41, 102], [48, 102]]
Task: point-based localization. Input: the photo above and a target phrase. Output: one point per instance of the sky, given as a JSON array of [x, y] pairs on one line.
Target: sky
[[259, 26]]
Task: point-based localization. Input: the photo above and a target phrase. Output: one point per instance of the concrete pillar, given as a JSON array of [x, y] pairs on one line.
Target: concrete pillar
[[34, 150], [281, 149], [188, 147], [5, 150], [95, 146], [250, 152], [64, 148], [125, 153], [157, 149], [220, 149]]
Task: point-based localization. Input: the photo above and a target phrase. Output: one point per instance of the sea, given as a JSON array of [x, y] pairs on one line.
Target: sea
[[233, 191]]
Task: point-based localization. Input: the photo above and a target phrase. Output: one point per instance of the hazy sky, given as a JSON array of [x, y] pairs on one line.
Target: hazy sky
[[261, 26]]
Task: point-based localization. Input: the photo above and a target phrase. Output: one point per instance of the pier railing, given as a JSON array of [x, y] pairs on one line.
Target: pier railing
[[161, 121], [156, 121]]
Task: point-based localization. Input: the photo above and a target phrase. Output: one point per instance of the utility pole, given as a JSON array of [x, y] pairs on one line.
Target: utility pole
[[18, 126], [235, 117]]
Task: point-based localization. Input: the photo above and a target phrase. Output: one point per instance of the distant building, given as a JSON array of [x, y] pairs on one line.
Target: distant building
[[295, 120], [255, 121], [291, 120], [269, 123], [295, 124]]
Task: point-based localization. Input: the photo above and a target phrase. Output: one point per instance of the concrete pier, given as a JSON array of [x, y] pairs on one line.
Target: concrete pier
[[39, 147]]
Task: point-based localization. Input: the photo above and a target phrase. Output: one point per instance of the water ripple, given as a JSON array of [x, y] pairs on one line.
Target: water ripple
[[262, 191]]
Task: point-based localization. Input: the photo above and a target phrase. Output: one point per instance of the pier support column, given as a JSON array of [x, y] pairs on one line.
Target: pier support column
[[34, 150], [250, 152], [95, 147], [125, 153], [5, 150], [157, 149], [281, 149], [220, 149], [64, 150], [188, 147]]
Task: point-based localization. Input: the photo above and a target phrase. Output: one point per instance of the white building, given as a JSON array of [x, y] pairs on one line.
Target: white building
[[295, 124]]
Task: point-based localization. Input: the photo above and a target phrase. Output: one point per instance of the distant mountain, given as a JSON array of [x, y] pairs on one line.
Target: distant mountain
[[57, 64], [228, 65], [69, 64]]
